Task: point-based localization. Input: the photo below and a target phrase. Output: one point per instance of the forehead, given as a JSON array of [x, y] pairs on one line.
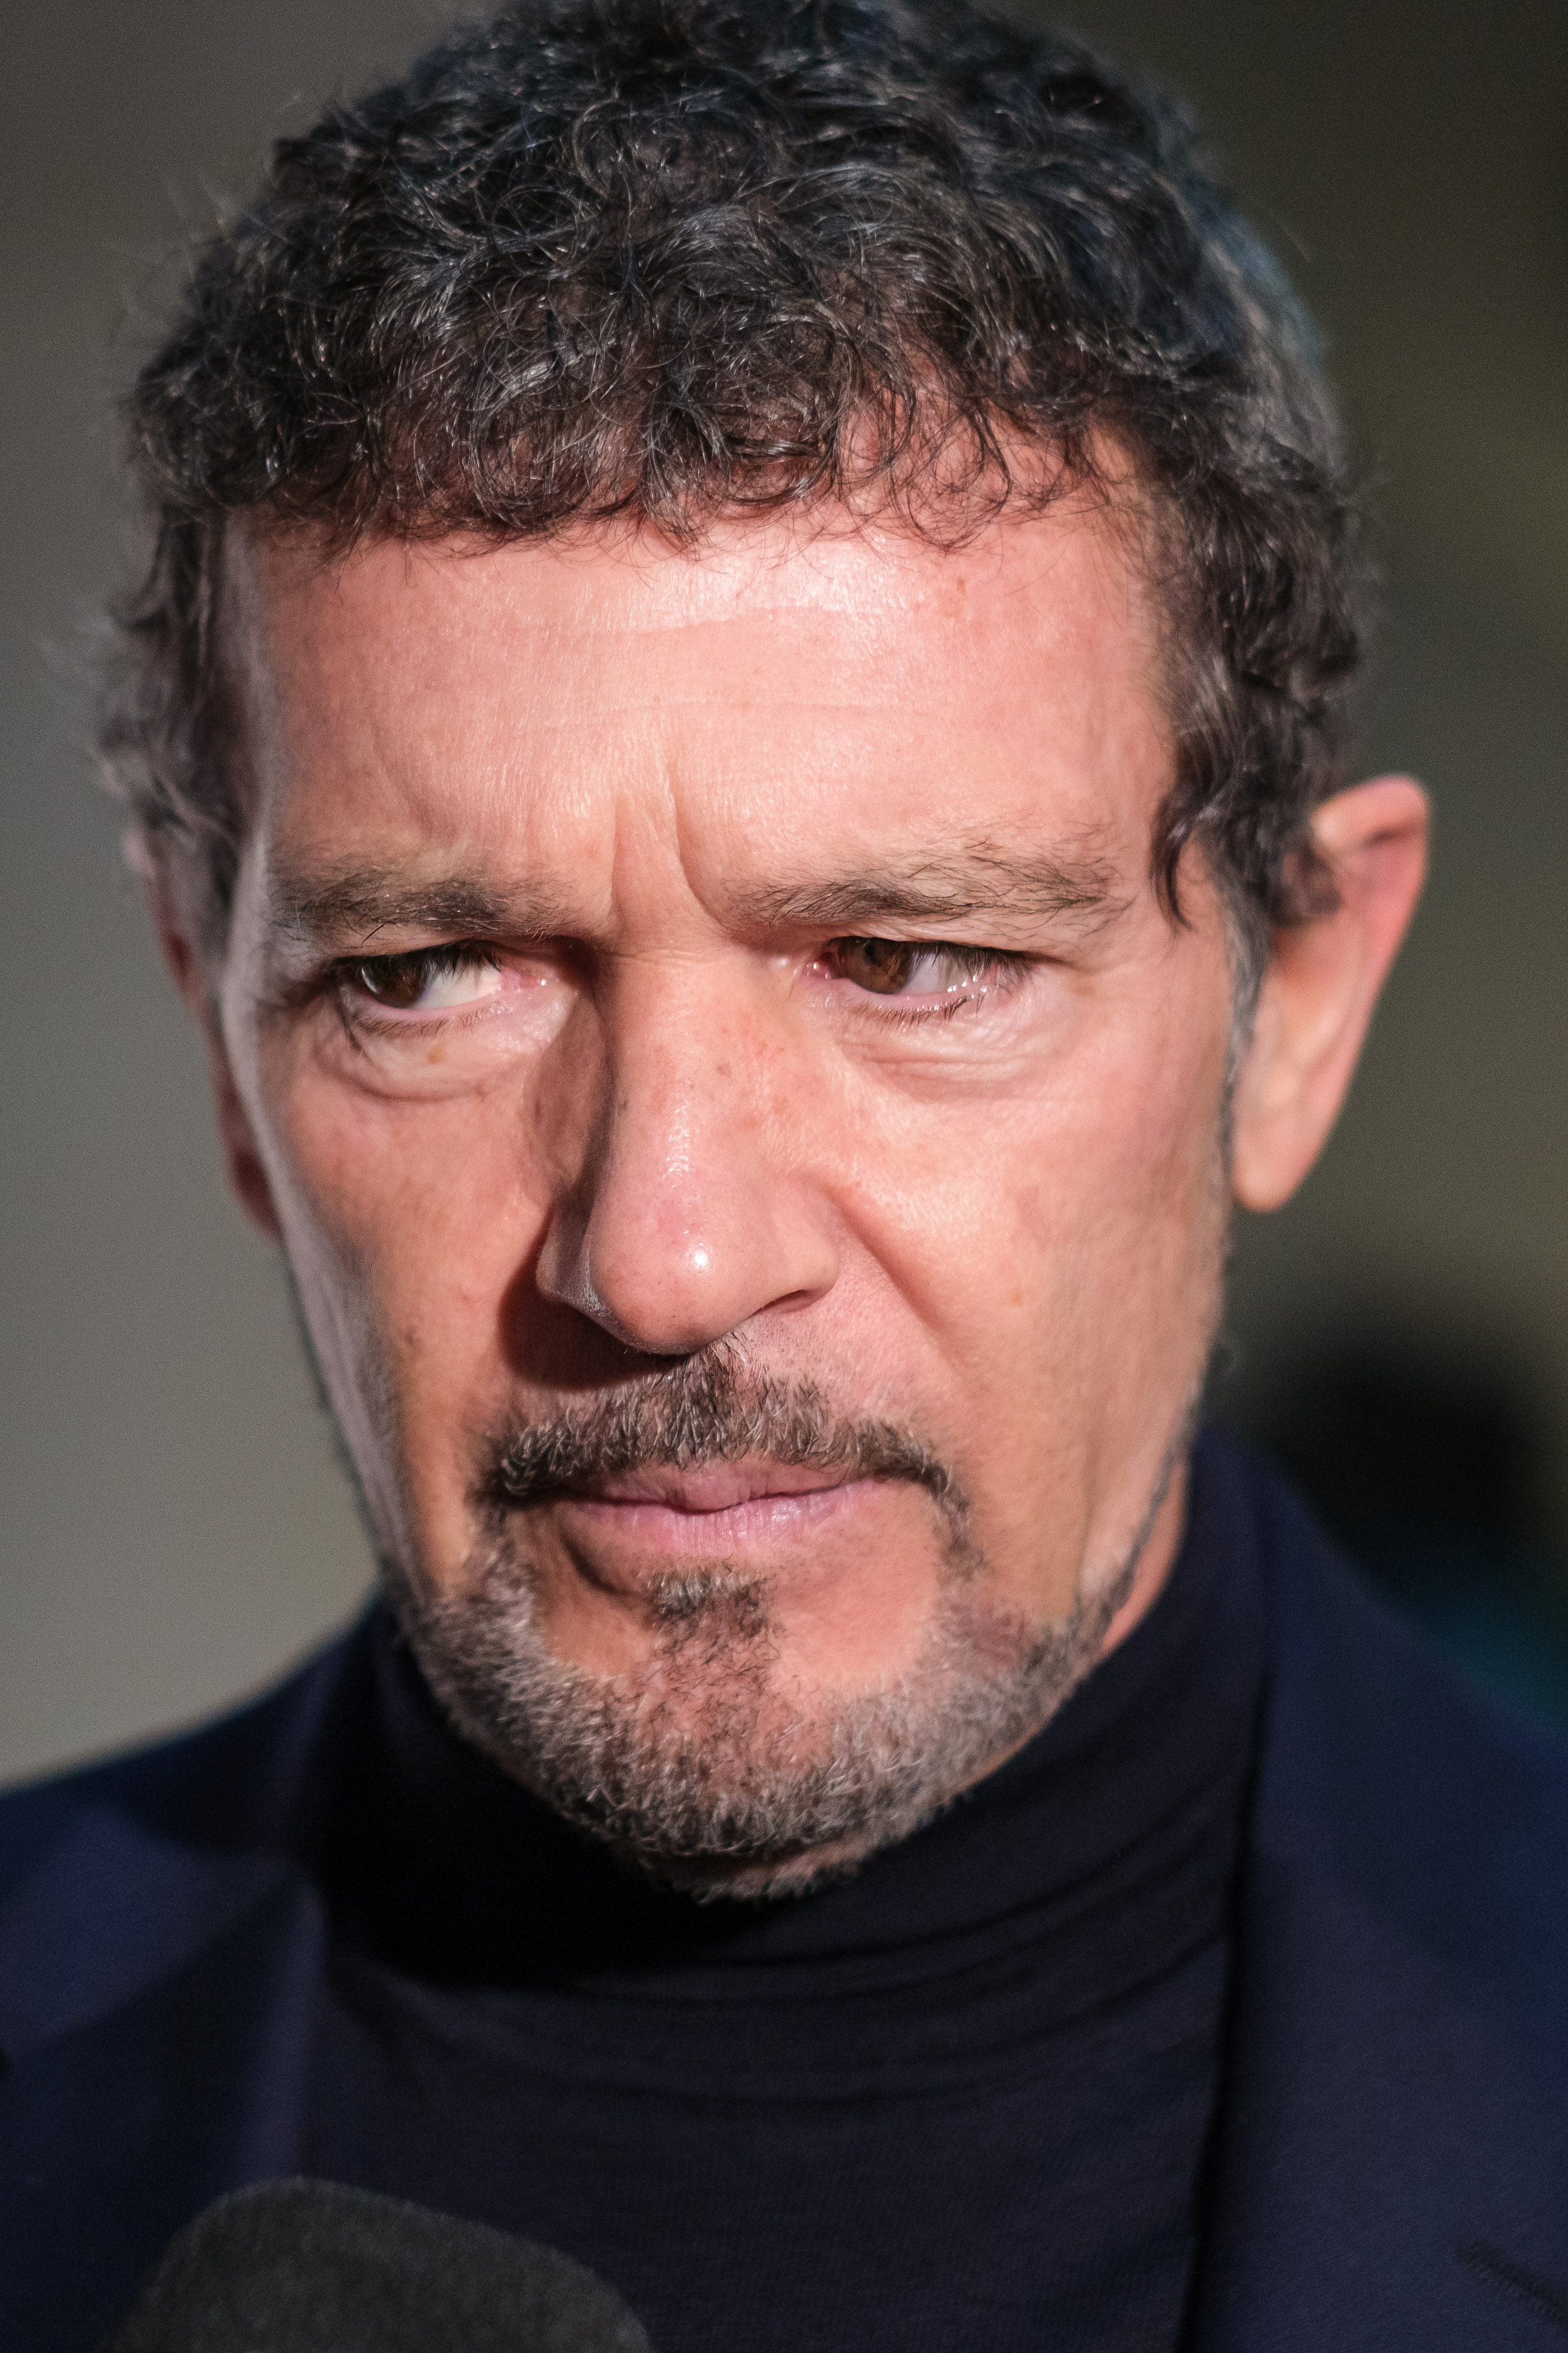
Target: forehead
[[777, 692]]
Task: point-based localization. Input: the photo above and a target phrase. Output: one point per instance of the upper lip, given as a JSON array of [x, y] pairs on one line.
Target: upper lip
[[706, 1487]]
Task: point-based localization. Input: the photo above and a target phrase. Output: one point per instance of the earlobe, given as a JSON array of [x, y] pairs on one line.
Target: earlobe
[[181, 959], [1323, 983]]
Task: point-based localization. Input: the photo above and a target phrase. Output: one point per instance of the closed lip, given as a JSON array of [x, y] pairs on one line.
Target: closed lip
[[708, 1487], [722, 1511]]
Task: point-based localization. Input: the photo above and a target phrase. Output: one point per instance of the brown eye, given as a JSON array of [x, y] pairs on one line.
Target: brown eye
[[881, 965], [399, 981]]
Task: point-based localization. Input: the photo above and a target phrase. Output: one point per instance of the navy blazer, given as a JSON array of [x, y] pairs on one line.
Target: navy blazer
[[1391, 2166]]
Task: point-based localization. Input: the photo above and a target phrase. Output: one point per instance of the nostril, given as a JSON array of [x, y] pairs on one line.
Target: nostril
[[642, 1312], [645, 1341]]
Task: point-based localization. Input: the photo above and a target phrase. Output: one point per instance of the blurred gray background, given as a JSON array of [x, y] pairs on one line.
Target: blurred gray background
[[174, 1525]]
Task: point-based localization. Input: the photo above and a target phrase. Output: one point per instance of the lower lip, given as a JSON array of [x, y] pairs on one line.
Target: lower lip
[[757, 1525]]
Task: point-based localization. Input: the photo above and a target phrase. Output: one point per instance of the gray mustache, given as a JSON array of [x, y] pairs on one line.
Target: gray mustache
[[703, 1411]]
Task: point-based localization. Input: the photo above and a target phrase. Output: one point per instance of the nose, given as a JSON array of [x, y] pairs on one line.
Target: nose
[[692, 1209]]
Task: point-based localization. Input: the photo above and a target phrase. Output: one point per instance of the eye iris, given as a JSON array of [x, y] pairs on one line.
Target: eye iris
[[395, 980], [883, 965]]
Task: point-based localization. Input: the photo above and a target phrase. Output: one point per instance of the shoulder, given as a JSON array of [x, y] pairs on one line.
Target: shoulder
[[1396, 2065], [118, 1871], [1384, 1771]]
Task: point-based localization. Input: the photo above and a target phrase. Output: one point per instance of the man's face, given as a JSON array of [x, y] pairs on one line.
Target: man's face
[[746, 1134]]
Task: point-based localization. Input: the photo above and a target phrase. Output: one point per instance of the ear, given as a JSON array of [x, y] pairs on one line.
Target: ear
[[1320, 987], [192, 976]]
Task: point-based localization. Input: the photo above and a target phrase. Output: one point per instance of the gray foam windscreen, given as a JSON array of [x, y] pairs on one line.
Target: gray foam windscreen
[[312, 2267]]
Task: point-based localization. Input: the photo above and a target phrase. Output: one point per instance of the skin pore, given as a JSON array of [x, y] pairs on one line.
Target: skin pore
[[675, 992]]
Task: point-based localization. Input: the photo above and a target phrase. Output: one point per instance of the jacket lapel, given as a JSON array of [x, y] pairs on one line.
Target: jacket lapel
[[1389, 2165]]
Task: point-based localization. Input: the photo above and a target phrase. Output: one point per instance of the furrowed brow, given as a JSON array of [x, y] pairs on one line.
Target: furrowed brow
[[351, 910], [947, 890]]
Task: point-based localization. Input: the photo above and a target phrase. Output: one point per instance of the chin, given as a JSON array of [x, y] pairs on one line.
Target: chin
[[708, 1764]]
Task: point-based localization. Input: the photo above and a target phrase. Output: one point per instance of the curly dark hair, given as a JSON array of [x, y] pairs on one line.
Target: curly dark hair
[[668, 259]]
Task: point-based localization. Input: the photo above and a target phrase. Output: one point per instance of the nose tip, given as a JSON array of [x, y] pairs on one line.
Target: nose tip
[[566, 1274], [668, 1283]]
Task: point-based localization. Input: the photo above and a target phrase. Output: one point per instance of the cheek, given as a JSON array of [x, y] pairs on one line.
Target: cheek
[[1107, 1254], [1062, 1253], [1125, 1219], [1092, 1194], [406, 1226]]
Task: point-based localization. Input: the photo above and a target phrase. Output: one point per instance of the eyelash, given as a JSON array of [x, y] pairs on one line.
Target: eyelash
[[426, 962], [983, 969], [342, 983]]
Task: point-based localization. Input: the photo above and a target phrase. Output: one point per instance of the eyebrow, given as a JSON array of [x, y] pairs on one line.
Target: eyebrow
[[952, 887], [349, 909]]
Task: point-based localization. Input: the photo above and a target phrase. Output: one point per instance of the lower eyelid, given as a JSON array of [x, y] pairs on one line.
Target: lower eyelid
[[931, 1004]]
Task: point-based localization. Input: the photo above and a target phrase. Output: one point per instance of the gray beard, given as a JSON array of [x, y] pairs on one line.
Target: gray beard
[[698, 1765]]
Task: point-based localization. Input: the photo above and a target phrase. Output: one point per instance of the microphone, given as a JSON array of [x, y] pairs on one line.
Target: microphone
[[313, 2267]]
